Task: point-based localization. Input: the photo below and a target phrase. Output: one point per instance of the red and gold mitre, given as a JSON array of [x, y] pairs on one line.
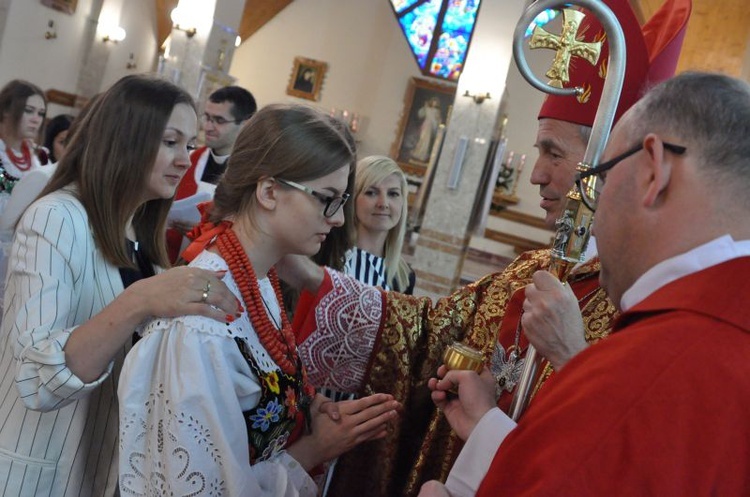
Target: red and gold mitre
[[652, 53]]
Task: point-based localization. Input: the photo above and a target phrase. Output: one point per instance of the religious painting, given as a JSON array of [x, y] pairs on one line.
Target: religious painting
[[427, 105], [307, 78], [67, 6]]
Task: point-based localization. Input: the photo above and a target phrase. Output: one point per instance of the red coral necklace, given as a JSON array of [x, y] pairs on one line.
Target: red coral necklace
[[279, 343], [23, 163]]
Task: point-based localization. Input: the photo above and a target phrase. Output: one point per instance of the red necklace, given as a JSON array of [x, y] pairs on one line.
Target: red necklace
[[280, 344], [23, 163]]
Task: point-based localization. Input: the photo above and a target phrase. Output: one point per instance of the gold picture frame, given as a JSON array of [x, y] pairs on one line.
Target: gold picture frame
[[427, 105], [307, 78], [67, 6]]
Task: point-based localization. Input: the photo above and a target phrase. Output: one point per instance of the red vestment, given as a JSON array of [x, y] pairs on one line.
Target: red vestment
[[662, 407], [188, 186], [408, 338]]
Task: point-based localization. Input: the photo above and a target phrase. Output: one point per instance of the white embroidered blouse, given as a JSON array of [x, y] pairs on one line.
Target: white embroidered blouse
[[183, 389]]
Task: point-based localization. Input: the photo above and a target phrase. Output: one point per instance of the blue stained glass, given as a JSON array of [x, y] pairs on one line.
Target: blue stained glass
[[442, 28], [453, 42], [542, 19], [419, 26], [401, 5]]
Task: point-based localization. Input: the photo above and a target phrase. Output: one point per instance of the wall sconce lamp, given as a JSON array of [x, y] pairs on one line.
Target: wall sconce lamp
[[115, 34], [477, 97], [132, 64], [180, 21], [51, 32]]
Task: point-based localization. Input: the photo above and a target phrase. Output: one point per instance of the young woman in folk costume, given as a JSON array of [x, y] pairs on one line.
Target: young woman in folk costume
[[226, 408], [80, 283], [22, 110]]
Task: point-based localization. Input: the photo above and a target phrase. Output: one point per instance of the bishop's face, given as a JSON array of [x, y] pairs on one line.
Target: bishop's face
[[561, 147]]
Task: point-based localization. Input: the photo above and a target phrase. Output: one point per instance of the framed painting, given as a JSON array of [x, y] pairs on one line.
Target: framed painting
[[307, 78], [67, 6], [427, 105]]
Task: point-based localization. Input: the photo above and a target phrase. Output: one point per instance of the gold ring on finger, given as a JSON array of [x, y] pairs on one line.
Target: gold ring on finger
[[204, 297]]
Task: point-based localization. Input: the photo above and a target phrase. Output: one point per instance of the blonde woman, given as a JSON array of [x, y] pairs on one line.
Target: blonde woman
[[380, 223]]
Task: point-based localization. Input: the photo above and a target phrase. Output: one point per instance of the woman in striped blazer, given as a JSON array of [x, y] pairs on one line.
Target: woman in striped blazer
[[81, 279]]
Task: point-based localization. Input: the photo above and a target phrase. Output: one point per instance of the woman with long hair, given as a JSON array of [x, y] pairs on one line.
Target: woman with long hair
[[22, 110], [56, 136], [82, 279]]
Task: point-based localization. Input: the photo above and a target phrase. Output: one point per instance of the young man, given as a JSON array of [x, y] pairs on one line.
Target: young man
[[226, 110], [660, 407]]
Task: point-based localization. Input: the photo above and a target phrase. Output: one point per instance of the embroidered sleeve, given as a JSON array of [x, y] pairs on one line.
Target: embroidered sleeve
[[182, 394], [346, 323], [41, 303]]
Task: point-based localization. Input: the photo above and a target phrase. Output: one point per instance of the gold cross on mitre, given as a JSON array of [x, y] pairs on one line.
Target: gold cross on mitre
[[566, 45]]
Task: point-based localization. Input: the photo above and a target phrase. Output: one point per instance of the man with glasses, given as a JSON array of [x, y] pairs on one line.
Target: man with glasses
[[408, 336], [226, 110], [660, 407]]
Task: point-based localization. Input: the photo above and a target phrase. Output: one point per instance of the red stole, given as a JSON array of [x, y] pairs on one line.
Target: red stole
[[188, 186]]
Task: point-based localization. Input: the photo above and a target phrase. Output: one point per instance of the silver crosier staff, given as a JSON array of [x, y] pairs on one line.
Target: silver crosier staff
[[573, 227]]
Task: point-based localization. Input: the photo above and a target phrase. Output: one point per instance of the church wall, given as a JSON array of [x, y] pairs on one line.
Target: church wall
[[369, 62], [26, 54], [138, 18], [57, 63]]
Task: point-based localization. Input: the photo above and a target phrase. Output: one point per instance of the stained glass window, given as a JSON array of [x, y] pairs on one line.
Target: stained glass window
[[542, 19], [438, 33]]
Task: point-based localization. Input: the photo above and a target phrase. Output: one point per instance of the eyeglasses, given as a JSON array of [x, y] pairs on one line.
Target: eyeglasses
[[219, 120], [332, 204], [590, 190]]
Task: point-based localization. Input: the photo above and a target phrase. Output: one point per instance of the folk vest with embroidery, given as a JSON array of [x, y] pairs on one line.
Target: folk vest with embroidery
[[282, 412]]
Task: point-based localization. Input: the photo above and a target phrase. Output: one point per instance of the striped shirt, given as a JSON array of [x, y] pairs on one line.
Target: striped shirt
[[370, 270], [58, 435], [366, 267]]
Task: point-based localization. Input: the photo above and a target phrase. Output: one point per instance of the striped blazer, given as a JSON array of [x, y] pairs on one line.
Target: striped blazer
[[58, 435]]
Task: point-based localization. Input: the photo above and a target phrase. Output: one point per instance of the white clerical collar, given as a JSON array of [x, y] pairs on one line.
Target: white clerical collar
[[715, 252], [219, 159]]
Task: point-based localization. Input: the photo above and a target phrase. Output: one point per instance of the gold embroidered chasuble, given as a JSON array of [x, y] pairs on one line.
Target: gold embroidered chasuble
[[408, 350]]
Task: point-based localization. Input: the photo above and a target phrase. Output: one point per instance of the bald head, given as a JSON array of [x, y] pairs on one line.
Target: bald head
[[685, 183], [710, 113]]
